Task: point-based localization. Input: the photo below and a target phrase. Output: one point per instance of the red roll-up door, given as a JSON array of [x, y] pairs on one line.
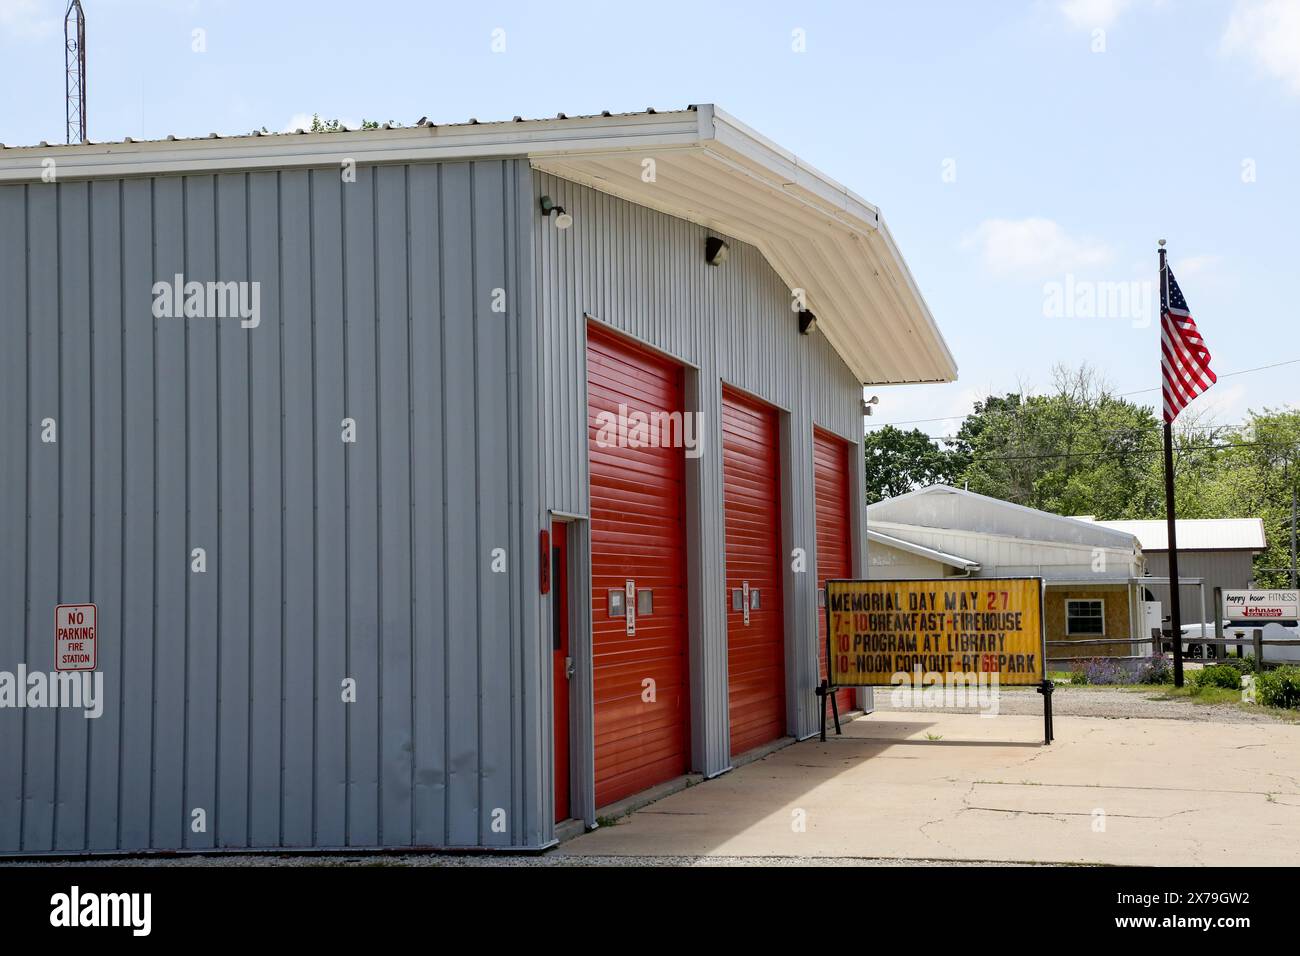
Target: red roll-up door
[[637, 534], [752, 510], [831, 487]]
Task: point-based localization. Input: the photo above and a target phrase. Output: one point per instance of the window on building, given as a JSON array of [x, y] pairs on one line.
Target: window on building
[[1085, 618]]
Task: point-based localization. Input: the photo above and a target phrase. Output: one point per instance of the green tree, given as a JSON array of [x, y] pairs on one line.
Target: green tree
[[1080, 449], [1077, 450], [1256, 479], [898, 461], [319, 125]]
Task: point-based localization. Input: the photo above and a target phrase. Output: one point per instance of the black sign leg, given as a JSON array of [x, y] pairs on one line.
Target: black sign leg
[[821, 693], [1046, 690], [835, 709]]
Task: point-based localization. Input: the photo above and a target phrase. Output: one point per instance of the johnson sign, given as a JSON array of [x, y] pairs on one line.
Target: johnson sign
[[1261, 605]]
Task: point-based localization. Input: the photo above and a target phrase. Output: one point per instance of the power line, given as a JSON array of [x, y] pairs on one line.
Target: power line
[[1258, 368], [1135, 452], [1139, 391], [1129, 453], [1135, 431]]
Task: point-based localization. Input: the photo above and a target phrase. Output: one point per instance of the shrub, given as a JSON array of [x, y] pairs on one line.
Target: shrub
[[1156, 669], [1100, 670], [1242, 665], [1217, 675], [1279, 687], [1106, 670]]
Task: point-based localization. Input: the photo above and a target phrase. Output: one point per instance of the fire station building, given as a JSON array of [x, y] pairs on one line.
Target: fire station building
[[424, 487]]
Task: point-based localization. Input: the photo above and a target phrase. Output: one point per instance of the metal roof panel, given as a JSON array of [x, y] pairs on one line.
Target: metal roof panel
[[1196, 534], [712, 170]]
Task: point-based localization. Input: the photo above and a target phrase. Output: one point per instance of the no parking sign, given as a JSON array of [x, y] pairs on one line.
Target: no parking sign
[[74, 637]]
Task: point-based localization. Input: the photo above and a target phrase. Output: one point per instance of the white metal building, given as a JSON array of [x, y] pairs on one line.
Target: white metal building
[[1218, 551], [1093, 575]]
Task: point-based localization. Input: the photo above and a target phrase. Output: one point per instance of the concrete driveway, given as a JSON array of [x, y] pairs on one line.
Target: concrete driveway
[[1135, 792]]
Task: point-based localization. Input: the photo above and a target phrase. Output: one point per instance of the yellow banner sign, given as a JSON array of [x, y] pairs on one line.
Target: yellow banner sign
[[979, 626]]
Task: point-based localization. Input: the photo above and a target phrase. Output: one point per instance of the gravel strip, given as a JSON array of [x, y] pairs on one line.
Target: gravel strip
[[553, 859], [1113, 702]]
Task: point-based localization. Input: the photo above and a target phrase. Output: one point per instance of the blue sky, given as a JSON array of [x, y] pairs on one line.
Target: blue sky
[[1017, 148]]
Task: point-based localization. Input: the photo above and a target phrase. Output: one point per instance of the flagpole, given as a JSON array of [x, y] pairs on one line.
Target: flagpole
[[1175, 619]]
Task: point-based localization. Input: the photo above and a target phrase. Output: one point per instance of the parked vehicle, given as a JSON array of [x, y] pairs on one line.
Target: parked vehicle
[[1272, 631], [1196, 651], [1281, 631]]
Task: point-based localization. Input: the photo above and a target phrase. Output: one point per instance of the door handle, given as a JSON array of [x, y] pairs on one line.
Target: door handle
[[568, 668]]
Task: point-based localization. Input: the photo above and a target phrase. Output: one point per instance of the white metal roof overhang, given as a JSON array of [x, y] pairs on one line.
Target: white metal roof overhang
[[709, 169], [817, 235], [943, 557]]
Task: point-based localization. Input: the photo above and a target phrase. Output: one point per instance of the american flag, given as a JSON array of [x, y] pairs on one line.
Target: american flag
[[1184, 359]]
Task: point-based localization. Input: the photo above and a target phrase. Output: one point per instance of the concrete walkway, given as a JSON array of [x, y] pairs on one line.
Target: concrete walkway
[[1136, 792]]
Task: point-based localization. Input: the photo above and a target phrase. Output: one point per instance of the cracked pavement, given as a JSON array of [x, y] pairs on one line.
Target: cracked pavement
[[1143, 791]]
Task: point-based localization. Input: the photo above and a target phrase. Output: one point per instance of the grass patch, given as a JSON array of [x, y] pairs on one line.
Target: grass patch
[[1220, 696], [1201, 693], [1209, 685]]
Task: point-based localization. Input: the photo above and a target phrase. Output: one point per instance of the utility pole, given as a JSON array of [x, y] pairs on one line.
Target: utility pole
[[1291, 476], [74, 42]]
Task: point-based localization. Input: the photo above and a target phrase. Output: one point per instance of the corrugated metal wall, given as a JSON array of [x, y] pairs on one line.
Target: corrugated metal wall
[[324, 560], [1223, 569], [643, 273]]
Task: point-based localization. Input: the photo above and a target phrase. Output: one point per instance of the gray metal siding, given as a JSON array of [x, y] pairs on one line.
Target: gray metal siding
[[1224, 569], [324, 560], [643, 273]]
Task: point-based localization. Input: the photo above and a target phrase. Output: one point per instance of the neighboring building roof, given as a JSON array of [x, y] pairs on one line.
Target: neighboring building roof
[[952, 560], [708, 168], [942, 506], [1195, 534]]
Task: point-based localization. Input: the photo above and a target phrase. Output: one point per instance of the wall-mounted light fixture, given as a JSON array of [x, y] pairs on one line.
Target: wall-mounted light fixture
[[715, 251], [867, 403], [807, 322], [562, 219]]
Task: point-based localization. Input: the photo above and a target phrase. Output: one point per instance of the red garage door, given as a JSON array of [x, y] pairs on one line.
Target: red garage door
[[642, 693], [752, 508], [834, 552]]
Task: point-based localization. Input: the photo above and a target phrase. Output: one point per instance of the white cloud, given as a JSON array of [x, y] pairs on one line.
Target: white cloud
[[1034, 247], [1090, 14], [27, 19], [1268, 31]]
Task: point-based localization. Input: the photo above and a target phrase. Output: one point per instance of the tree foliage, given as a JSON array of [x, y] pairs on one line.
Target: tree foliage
[[898, 461], [319, 125], [1080, 449], [1077, 450]]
